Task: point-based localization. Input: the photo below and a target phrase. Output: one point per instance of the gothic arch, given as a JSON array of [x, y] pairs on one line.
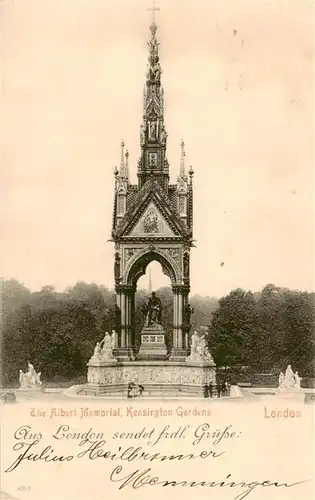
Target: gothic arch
[[139, 263]]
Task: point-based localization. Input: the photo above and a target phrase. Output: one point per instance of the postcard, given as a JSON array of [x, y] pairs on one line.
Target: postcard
[[157, 252]]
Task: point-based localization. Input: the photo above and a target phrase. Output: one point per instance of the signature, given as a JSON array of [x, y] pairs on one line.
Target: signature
[[138, 478], [96, 450]]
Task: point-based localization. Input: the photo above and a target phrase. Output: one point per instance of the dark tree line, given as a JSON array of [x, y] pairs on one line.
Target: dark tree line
[[265, 331], [57, 331]]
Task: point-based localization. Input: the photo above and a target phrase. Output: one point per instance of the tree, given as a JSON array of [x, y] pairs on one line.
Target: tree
[[13, 295], [230, 332], [299, 320], [204, 307]]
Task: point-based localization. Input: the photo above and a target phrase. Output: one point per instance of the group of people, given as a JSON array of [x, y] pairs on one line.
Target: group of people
[[134, 390], [219, 390]]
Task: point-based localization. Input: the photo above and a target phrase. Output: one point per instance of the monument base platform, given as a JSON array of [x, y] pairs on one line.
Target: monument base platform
[[29, 393], [158, 378], [294, 394]]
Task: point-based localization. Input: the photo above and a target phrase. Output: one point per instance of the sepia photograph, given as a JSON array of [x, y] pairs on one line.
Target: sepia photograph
[[157, 271]]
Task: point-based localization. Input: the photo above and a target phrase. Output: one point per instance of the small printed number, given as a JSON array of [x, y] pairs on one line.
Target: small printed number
[[24, 488]]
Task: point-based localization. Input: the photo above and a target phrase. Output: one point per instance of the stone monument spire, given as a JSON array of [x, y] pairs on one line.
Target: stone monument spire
[[153, 163], [152, 221]]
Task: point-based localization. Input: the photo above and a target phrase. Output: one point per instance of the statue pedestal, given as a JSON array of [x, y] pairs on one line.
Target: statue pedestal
[[152, 343], [98, 369], [294, 393], [30, 390], [29, 393]]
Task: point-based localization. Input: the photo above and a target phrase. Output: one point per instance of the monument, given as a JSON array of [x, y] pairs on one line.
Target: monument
[[199, 351], [289, 382], [152, 221], [30, 380], [290, 385]]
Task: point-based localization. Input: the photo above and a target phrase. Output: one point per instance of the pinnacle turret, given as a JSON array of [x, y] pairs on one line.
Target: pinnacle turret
[[123, 172], [126, 171], [122, 159], [182, 160]]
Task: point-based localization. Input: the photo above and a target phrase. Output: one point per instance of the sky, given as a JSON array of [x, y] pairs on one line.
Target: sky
[[238, 82]]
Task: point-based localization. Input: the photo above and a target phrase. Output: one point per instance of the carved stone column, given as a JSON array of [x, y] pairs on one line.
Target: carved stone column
[[130, 294], [179, 351], [132, 320], [124, 302], [186, 289], [186, 327]]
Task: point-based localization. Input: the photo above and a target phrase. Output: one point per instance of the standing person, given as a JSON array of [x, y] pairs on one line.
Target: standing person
[[223, 389], [129, 389], [219, 390], [210, 389], [227, 388], [205, 391]]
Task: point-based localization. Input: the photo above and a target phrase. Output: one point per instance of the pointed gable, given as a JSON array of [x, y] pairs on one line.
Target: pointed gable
[[151, 215], [152, 223]]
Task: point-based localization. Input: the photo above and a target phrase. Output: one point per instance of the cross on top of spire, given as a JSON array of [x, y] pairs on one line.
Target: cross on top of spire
[[154, 8], [153, 26]]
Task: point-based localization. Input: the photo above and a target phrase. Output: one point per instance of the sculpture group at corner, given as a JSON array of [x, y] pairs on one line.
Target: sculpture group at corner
[[290, 381], [199, 351], [103, 350], [30, 379]]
